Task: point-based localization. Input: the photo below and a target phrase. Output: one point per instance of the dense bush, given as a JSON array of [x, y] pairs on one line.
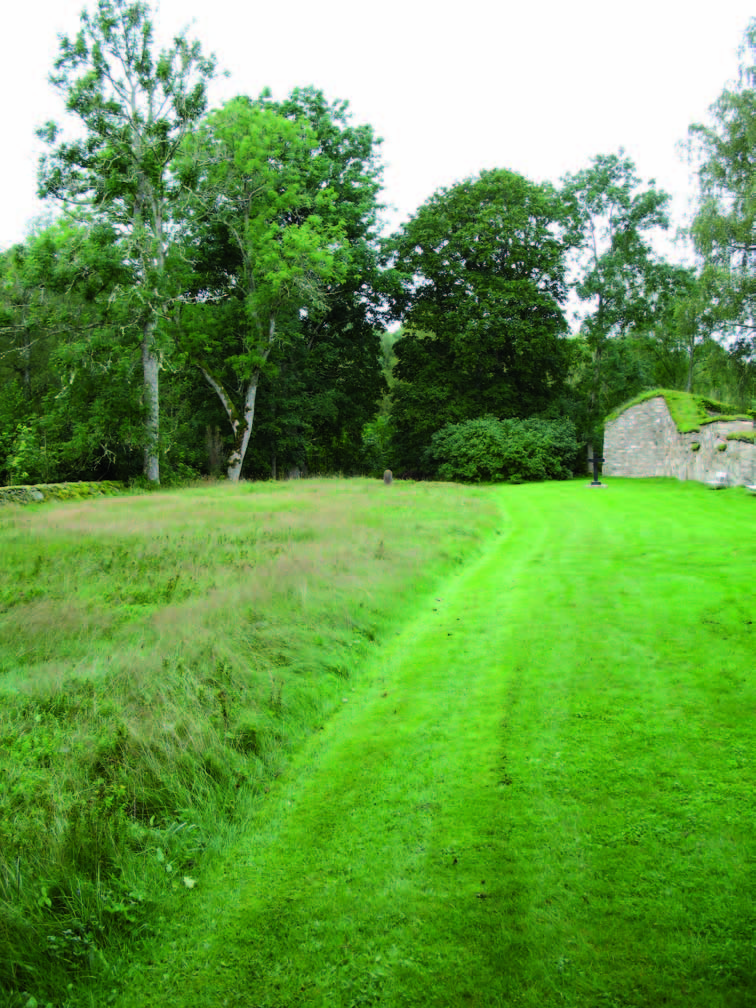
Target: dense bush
[[487, 449]]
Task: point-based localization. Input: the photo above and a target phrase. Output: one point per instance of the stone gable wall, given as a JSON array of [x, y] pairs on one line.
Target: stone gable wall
[[644, 441]]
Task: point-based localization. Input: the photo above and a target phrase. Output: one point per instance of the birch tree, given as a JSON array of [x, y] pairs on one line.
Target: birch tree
[[724, 227], [268, 246], [614, 218]]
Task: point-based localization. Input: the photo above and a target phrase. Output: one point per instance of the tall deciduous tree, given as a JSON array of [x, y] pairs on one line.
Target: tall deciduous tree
[[614, 217], [135, 104], [479, 274], [724, 228], [690, 321], [268, 244]]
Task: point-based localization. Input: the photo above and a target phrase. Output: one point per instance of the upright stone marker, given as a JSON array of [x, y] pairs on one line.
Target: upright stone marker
[[388, 477]]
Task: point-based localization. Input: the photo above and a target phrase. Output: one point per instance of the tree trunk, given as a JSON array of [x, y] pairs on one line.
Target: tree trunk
[[150, 369], [595, 396], [242, 428], [236, 461], [689, 381]]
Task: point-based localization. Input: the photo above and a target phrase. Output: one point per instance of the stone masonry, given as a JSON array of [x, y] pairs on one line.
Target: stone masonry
[[644, 441]]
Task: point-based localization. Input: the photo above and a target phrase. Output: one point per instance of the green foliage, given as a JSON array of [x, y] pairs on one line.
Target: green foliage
[[69, 358], [284, 214], [748, 436], [73, 322], [724, 229], [376, 446], [28, 459], [490, 450], [121, 89], [478, 277], [335, 364], [625, 290], [611, 224]]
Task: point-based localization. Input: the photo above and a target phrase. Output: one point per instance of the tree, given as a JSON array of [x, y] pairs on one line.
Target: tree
[[666, 342], [281, 220], [326, 383], [70, 408], [135, 106], [689, 324], [479, 286], [724, 228], [617, 274]]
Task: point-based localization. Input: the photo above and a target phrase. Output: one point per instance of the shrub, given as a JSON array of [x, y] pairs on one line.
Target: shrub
[[488, 450], [29, 458]]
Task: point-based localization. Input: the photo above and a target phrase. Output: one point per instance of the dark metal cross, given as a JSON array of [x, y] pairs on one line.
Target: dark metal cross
[[596, 461]]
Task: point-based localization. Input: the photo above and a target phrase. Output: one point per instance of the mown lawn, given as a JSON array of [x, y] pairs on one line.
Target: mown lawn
[[540, 791]]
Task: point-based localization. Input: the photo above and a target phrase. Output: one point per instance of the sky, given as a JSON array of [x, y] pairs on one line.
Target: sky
[[537, 87]]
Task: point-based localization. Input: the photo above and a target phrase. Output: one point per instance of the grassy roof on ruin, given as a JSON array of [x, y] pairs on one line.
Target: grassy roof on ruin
[[689, 412]]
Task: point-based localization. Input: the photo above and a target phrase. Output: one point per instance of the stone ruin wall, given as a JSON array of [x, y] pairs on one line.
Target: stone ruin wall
[[644, 441]]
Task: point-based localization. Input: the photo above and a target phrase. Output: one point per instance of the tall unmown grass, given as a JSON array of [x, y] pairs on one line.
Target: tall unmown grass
[[160, 657]]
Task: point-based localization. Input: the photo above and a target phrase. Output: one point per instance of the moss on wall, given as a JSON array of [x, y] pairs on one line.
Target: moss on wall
[[689, 412], [58, 491]]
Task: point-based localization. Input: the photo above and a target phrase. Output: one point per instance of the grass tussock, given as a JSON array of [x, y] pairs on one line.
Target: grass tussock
[[160, 658]]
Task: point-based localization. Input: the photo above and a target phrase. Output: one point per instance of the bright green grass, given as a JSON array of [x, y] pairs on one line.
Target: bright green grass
[[541, 792], [161, 657]]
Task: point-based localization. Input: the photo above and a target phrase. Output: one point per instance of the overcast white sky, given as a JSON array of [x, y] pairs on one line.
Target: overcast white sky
[[538, 87]]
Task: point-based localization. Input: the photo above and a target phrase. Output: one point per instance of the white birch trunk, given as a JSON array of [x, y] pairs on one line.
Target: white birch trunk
[[236, 460], [241, 426]]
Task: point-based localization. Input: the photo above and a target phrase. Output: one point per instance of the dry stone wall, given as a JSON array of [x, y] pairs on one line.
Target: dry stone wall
[[644, 441], [58, 491]]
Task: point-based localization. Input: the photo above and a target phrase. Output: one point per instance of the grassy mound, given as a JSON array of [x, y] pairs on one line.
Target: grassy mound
[[689, 412]]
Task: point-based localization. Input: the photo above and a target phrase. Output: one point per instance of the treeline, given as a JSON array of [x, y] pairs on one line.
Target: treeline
[[218, 298]]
